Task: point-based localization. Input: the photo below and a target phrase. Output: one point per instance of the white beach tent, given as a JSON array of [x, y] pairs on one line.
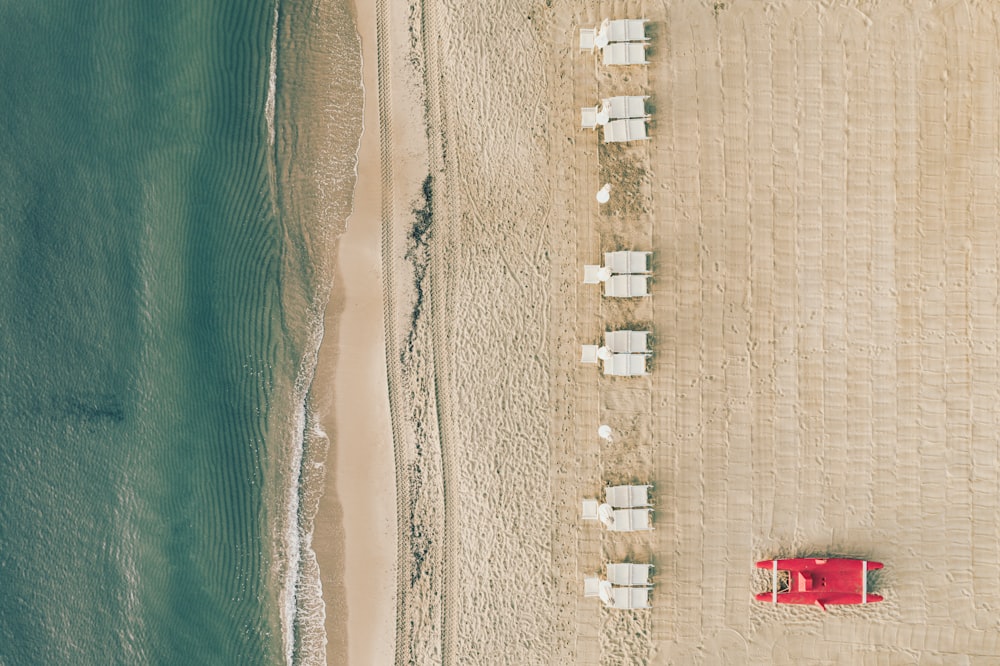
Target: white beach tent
[[624, 130], [625, 520], [615, 497], [626, 262], [625, 598], [625, 365], [628, 575], [632, 520], [621, 30], [626, 286], [618, 347], [610, 32], [625, 106], [613, 108], [623, 275], [627, 342], [627, 497], [624, 53]]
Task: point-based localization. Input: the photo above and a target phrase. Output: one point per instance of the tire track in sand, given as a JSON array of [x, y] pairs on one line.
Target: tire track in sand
[[393, 370]]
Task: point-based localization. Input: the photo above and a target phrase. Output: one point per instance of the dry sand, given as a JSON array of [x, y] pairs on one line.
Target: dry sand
[[820, 193]]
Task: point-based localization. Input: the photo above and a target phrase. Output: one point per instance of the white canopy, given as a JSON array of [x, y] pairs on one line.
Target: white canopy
[[627, 262], [626, 286], [587, 39], [607, 592], [628, 574], [628, 129], [622, 30], [624, 53], [626, 342], [588, 354], [590, 509], [626, 365], [627, 497], [625, 598], [591, 586], [625, 520], [625, 106]]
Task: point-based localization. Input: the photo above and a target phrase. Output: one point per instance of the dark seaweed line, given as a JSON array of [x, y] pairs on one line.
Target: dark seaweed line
[[436, 121]]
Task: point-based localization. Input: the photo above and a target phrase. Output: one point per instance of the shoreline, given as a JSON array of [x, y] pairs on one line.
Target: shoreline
[[356, 528], [356, 540]]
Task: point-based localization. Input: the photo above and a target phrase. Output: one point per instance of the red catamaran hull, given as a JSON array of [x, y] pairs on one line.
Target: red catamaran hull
[[815, 582]]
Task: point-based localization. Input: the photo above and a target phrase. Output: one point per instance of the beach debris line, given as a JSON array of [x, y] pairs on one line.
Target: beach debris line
[[418, 254]]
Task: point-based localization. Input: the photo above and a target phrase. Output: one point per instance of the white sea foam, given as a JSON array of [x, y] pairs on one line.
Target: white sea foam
[[302, 631], [326, 155], [272, 80], [270, 105], [292, 541]]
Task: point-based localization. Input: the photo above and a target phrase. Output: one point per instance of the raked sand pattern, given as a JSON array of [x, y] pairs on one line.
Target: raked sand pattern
[[820, 193]]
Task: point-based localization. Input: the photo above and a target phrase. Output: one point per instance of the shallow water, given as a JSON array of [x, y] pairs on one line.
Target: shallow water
[[161, 274]]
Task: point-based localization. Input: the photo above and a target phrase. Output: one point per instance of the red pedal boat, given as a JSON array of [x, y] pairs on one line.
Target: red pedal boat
[[810, 581]]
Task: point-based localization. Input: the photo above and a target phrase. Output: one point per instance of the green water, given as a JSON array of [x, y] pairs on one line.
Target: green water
[[155, 294]]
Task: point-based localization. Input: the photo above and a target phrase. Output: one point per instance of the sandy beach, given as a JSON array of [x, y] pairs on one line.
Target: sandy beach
[[355, 538], [819, 193]]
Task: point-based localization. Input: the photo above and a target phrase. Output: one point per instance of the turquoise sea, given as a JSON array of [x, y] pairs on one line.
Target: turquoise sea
[[172, 176]]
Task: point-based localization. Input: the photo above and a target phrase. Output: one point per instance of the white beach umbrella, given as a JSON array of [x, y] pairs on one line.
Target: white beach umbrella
[[604, 432], [604, 353], [604, 273], [604, 194], [606, 514]]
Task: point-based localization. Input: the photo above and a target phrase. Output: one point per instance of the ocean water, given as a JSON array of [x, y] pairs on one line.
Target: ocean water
[[172, 178]]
